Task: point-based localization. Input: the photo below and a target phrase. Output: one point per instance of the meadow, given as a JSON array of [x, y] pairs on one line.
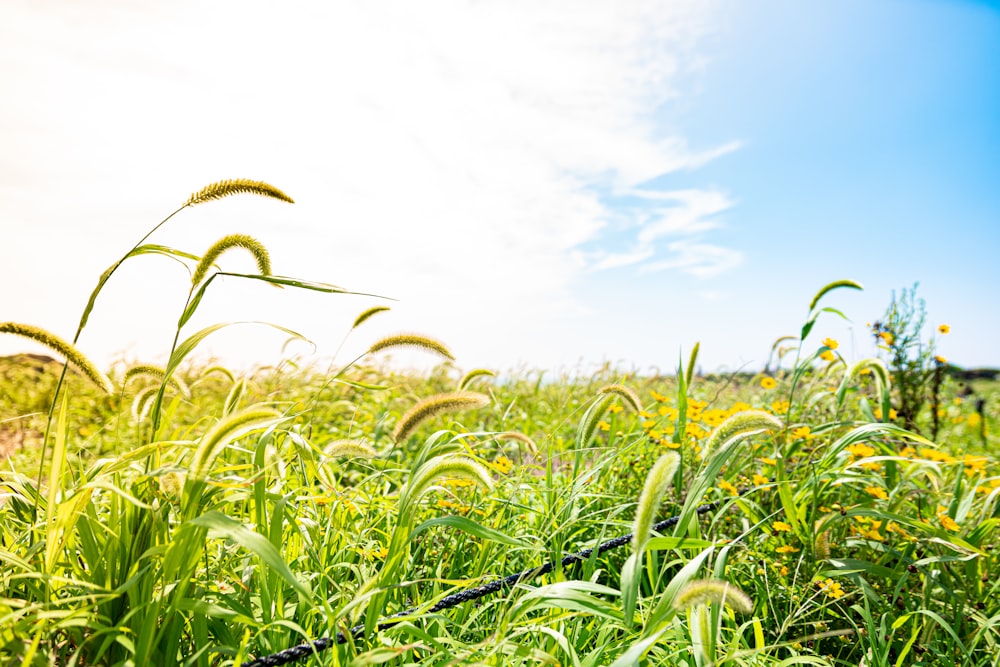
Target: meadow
[[828, 511]]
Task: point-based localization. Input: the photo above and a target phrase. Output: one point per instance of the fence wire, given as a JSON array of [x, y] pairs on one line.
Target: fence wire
[[468, 595]]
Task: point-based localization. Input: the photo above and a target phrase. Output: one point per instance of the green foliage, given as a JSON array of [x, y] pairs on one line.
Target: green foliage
[[203, 517]]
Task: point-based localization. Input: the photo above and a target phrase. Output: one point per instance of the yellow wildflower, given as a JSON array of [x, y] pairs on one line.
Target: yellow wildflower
[[781, 527], [831, 588], [767, 461], [658, 397], [876, 492], [887, 337], [941, 360], [780, 407], [768, 383], [603, 425], [860, 450], [615, 409], [786, 549], [802, 432], [946, 521], [729, 488], [760, 479], [503, 465], [944, 329], [831, 343], [827, 355]]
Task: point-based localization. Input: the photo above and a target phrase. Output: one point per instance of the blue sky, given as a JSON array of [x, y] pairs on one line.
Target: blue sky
[[548, 184]]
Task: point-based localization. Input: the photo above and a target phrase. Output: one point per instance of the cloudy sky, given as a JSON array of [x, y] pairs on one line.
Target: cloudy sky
[[553, 184]]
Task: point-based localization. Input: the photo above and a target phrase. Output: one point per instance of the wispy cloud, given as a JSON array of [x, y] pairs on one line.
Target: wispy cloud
[[449, 155], [683, 215]]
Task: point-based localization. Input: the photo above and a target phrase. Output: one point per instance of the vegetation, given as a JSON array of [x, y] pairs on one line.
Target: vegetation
[[194, 516]]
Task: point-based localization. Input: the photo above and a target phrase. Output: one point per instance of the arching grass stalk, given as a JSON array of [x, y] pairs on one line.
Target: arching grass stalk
[[799, 369], [217, 190]]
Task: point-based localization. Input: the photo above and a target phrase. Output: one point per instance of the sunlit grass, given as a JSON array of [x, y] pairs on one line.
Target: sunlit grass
[[199, 516]]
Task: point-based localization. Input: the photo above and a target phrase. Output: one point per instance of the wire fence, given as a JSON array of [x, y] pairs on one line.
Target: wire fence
[[468, 595]]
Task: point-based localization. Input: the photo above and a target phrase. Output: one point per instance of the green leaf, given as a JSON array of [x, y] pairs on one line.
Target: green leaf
[[220, 525], [470, 527]]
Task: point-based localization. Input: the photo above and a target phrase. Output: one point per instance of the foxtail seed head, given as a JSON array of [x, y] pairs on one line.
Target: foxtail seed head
[[713, 591], [832, 286], [156, 373], [626, 394], [740, 423], [411, 340], [255, 247], [519, 437], [235, 186], [440, 467], [657, 482], [57, 344], [225, 431], [363, 317], [473, 374], [356, 449], [436, 405]]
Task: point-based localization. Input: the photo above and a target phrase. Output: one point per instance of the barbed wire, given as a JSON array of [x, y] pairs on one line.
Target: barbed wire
[[468, 595]]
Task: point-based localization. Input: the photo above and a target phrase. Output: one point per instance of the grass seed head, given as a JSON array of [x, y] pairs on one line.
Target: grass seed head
[[713, 591], [626, 394], [657, 483], [60, 346], [436, 405], [234, 186], [357, 449], [255, 247], [740, 423], [411, 340], [363, 317]]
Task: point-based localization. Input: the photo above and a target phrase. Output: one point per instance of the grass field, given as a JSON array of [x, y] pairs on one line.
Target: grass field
[[190, 515]]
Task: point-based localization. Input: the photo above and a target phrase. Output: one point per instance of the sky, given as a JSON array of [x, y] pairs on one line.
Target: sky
[[539, 185]]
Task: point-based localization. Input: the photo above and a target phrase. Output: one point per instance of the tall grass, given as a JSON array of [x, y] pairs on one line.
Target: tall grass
[[195, 516]]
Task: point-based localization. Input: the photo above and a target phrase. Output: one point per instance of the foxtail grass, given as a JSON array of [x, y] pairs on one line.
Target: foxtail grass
[[473, 375], [62, 348], [234, 186], [411, 340], [630, 398], [356, 449], [368, 314], [248, 243], [703, 592], [436, 405]]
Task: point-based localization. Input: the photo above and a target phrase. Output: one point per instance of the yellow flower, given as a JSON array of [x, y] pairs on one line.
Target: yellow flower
[[876, 492], [603, 425], [831, 588], [802, 432], [831, 343], [503, 465], [657, 396], [892, 414], [860, 450], [726, 486], [780, 407], [944, 329], [758, 480], [946, 521], [827, 356], [767, 461], [615, 409], [941, 360], [768, 383], [887, 337], [786, 549], [781, 527]]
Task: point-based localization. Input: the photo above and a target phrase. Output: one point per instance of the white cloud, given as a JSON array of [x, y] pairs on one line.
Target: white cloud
[[701, 260], [445, 154]]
